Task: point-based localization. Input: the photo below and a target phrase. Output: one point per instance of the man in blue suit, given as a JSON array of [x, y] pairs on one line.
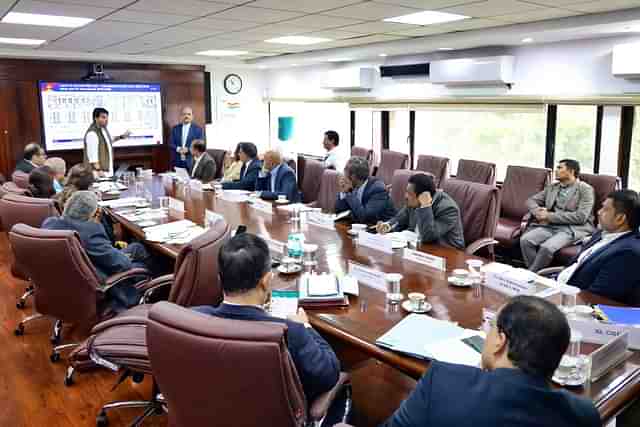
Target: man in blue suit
[[527, 339], [245, 275], [181, 137], [277, 179], [251, 167], [607, 263], [366, 197]]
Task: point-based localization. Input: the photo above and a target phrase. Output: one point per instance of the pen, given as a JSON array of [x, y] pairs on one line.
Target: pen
[[600, 315]]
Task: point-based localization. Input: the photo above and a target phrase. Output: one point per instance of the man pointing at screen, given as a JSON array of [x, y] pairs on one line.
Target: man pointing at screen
[[98, 144]]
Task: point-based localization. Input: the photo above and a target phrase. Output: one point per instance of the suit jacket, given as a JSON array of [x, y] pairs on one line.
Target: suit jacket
[[206, 169], [376, 204], [611, 271], [317, 365], [248, 177], [578, 215], [106, 259], [195, 132], [451, 395], [286, 184], [25, 166], [440, 223]]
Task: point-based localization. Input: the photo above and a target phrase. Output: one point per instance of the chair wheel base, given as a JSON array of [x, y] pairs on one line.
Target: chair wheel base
[[137, 377], [102, 420], [54, 357], [19, 331], [68, 381], [20, 304], [54, 340]]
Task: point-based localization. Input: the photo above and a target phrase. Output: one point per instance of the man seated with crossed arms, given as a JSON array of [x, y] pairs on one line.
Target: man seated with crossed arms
[[434, 215], [277, 179], [528, 337]]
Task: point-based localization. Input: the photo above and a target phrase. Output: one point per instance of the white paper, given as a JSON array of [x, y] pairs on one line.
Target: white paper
[[283, 303], [178, 232], [349, 285], [212, 217], [261, 206], [292, 207], [455, 351], [423, 258], [125, 201], [376, 241], [176, 205], [368, 276]]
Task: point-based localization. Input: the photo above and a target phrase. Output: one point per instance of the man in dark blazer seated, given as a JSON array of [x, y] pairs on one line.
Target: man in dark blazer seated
[[245, 275], [182, 136], [434, 215], [607, 263], [204, 167], [514, 387], [33, 157], [366, 197], [251, 166], [277, 179]]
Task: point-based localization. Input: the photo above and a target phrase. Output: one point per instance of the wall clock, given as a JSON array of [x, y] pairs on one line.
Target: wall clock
[[233, 84]]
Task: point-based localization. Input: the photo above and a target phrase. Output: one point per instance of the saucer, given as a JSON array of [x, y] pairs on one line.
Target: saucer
[[465, 283], [281, 202], [407, 306], [568, 382], [293, 269]]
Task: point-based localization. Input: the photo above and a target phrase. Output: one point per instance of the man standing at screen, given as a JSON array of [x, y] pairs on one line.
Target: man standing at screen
[[182, 136], [98, 144]]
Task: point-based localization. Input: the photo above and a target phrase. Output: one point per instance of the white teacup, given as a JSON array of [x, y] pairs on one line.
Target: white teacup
[[418, 301], [282, 198], [357, 228]]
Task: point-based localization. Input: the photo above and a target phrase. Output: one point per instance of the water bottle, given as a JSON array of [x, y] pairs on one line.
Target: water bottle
[[294, 245]]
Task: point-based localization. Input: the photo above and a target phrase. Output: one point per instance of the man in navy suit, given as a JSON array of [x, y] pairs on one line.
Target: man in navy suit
[[366, 197], [607, 263], [527, 339], [245, 275], [181, 137], [277, 179], [251, 167]]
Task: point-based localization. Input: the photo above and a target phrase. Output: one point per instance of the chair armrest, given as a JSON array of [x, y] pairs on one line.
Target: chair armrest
[[137, 315], [479, 244], [550, 271], [524, 223], [155, 286], [321, 405], [342, 425], [141, 273]]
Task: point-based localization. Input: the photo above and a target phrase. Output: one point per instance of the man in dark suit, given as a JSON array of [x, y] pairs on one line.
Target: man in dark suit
[[33, 157], [527, 339], [277, 179], [204, 167], [366, 197], [607, 263], [245, 275], [182, 136], [251, 166]]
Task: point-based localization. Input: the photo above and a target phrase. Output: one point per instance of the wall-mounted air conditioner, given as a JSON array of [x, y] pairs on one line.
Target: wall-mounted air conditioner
[[487, 71], [350, 79], [626, 62]]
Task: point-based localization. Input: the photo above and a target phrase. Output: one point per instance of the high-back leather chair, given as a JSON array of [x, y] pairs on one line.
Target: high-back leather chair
[[67, 286], [367, 153], [218, 157], [389, 162], [16, 209], [11, 187], [311, 181], [476, 171], [21, 179], [479, 206], [520, 183], [602, 186], [399, 186], [328, 191], [436, 166]]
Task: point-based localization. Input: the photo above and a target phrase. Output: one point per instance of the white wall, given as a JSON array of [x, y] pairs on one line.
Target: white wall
[[572, 68]]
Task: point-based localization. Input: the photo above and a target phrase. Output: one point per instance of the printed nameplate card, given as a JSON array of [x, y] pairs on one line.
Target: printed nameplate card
[[376, 241], [262, 206], [212, 218], [368, 276], [424, 258]]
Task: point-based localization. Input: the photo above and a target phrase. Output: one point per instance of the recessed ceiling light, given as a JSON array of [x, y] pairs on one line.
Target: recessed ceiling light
[[222, 52], [23, 42], [294, 65], [339, 59], [262, 67], [45, 20], [298, 40], [427, 17], [382, 54], [527, 40], [445, 48]]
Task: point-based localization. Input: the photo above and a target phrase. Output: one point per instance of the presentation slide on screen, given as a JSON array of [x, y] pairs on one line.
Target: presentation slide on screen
[[67, 109]]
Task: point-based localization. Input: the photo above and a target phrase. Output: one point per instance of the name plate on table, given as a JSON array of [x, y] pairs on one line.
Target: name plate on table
[[601, 333], [176, 208], [423, 258], [511, 281], [376, 241], [321, 220], [261, 206], [608, 356], [195, 185], [368, 276], [210, 218]]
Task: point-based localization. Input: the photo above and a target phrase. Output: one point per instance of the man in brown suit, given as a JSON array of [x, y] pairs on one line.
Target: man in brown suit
[[98, 144]]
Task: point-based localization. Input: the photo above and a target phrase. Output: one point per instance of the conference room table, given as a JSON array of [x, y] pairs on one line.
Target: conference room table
[[353, 330]]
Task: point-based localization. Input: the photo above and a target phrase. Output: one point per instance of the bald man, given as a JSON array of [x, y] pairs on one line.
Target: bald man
[[276, 179], [182, 136]]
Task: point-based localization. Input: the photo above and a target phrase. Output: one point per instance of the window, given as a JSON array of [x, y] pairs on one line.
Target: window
[[504, 135], [399, 131], [610, 140], [634, 161], [368, 132], [576, 134]]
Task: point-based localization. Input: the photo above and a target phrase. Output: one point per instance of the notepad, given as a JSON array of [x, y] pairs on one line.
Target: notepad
[[621, 315]]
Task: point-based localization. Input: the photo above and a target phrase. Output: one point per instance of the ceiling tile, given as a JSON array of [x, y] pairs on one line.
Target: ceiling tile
[[165, 19], [271, 47], [46, 8], [217, 24], [32, 31], [371, 11], [428, 4], [554, 3], [466, 25], [378, 27], [281, 29], [536, 15], [257, 14], [113, 4], [91, 37], [175, 35], [333, 34], [358, 41], [181, 7], [309, 6], [322, 22], [210, 43], [485, 9], [5, 5], [604, 5]]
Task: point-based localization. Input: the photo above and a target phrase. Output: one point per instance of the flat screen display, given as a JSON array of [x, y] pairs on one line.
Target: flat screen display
[[67, 109]]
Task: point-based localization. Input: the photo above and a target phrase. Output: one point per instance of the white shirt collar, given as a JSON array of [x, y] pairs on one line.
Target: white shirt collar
[[243, 305]]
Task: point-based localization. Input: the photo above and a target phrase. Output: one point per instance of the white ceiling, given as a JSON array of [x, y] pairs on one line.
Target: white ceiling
[[178, 29]]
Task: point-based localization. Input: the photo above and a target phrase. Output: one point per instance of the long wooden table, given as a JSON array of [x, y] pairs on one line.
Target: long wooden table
[[354, 330]]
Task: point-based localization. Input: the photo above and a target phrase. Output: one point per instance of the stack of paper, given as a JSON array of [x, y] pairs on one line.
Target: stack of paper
[[175, 233], [321, 289], [124, 202]]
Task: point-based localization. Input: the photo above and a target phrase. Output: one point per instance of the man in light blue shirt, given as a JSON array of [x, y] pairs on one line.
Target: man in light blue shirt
[[277, 179]]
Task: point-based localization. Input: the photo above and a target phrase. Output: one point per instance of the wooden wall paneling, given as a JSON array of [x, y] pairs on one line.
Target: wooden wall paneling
[[5, 131]]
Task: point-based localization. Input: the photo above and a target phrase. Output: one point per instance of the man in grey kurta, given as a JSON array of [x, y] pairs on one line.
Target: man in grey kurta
[[561, 214], [434, 215]]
